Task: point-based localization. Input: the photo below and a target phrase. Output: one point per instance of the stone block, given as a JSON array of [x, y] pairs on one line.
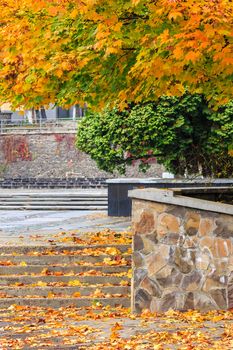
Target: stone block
[[138, 260], [206, 227], [224, 226], [192, 222], [158, 207], [223, 247], [170, 300], [146, 223], [142, 300], [202, 261], [150, 287], [138, 276], [192, 281], [203, 302], [230, 295], [220, 298], [137, 243], [171, 238], [157, 260], [167, 223], [190, 242], [177, 211], [165, 273], [214, 281], [169, 280], [207, 245], [184, 259], [189, 301], [230, 264], [149, 243], [163, 304]]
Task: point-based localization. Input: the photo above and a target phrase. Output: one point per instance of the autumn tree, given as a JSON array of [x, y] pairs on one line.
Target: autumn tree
[[114, 51]]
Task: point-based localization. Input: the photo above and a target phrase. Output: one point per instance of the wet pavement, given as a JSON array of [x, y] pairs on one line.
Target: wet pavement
[[15, 223]]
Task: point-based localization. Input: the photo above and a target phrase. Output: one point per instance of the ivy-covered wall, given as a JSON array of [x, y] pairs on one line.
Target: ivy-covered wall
[[52, 156]]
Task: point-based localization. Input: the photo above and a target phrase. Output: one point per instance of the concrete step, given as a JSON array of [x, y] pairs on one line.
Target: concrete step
[[67, 291], [48, 201], [74, 193], [64, 302], [28, 274], [53, 198], [49, 260], [37, 269], [53, 207], [44, 196], [18, 279], [58, 248]]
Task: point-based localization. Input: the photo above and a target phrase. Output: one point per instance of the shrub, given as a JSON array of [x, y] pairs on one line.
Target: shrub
[[183, 133]]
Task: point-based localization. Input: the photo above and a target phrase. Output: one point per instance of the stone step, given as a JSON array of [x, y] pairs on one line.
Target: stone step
[[65, 291], [54, 191], [64, 192], [58, 248], [55, 202], [48, 260], [60, 200], [36, 269], [53, 207], [65, 196], [13, 279], [63, 302]]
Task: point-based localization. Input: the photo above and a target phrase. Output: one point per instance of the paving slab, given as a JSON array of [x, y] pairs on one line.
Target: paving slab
[[101, 330], [17, 223]]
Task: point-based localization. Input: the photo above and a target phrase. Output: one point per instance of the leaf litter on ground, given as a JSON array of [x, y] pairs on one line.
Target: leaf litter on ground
[[101, 327]]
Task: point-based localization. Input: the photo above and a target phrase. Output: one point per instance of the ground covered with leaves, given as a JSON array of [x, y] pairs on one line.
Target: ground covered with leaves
[[98, 326], [24, 327]]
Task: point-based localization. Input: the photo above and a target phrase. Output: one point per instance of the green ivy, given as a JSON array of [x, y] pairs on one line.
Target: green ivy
[[183, 133]]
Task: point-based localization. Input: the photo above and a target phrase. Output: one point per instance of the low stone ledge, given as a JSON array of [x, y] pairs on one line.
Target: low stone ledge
[[184, 182], [182, 252], [119, 204], [174, 196]]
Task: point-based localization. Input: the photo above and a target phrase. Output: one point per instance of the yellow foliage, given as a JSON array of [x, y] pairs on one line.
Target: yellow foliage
[[74, 283], [64, 51]]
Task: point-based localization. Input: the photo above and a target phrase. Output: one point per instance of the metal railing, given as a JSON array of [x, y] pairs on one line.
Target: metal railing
[[42, 126]]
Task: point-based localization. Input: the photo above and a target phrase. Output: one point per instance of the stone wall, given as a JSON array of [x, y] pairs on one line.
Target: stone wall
[[182, 257], [52, 156], [53, 183]]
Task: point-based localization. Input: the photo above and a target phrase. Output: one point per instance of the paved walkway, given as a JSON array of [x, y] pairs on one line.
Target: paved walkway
[[14, 223], [72, 329], [67, 329]]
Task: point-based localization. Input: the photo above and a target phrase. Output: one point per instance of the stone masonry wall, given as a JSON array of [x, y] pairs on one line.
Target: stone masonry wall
[[52, 156], [182, 258]]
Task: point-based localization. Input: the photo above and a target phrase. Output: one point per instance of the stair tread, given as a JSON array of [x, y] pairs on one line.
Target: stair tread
[[28, 271], [54, 207], [61, 247], [44, 277], [61, 302], [71, 288], [36, 202], [53, 195]]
